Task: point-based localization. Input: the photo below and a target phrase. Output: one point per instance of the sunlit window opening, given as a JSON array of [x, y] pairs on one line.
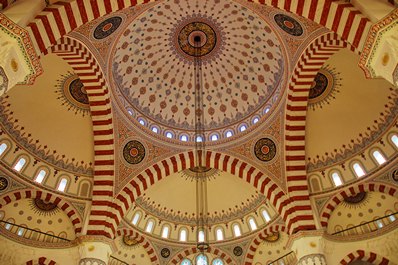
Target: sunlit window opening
[[62, 185], [252, 224], [379, 224], [242, 128], [186, 262], [19, 165], [165, 232], [201, 236], [379, 157], [214, 137], [184, 138], [169, 135], [201, 260], [199, 139], [149, 227], [20, 231], [266, 216], [336, 179], [392, 218], [237, 231], [359, 171], [394, 139], [136, 218], [40, 176], [219, 234], [155, 130], [255, 120], [228, 134], [183, 235], [3, 147], [217, 262]]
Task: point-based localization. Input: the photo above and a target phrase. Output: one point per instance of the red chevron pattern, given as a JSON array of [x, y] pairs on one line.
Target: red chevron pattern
[[64, 16], [211, 250], [87, 68], [144, 243], [176, 163], [268, 231], [312, 59], [67, 208], [366, 187], [365, 256], [41, 261]]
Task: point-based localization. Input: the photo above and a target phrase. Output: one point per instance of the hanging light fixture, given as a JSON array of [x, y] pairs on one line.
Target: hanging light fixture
[[200, 152]]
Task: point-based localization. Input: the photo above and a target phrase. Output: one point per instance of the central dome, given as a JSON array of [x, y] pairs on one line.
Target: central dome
[[153, 66]]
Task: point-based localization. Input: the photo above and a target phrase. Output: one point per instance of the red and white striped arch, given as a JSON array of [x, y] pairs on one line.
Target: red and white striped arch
[[194, 250], [64, 16], [87, 68], [309, 64], [235, 166], [66, 207], [370, 257], [366, 187], [261, 236], [143, 242], [41, 261]]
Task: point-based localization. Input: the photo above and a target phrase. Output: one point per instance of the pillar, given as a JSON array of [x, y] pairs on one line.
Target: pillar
[[308, 247], [95, 250]]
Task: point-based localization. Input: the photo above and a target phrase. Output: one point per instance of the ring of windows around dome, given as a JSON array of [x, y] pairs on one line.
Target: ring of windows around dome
[[202, 259], [359, 166]]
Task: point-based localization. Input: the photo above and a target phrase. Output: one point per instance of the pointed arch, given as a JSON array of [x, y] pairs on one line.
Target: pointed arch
[[365, 256], [65, 206], [41, 261], [193, 250], [333, 202], [143, 241]]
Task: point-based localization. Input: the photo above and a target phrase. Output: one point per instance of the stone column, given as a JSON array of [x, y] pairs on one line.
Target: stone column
[[308, 247], [95, 250]]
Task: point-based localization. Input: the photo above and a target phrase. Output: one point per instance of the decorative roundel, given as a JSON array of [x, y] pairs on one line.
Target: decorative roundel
[[265, 149], [197, 39], [128, 241], [77, 91], [3, 183], [107, 27], [394, 175], [289, 24], [318, 86], [165, 252], [47, 207], [238, 251], [134, 152], [357, 198]]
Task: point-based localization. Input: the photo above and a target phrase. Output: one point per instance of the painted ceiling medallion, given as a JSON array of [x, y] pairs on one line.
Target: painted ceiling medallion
[[107, 27], [192, 173], [394, 175], [289, 24], [134, 152], [3, 183], [355, 199], [238, 251], [71, 92], [272, 238], [324, 88], [182, 38], [165, 252], [265, 149], [153, 73], [128, 241], [42, 207]]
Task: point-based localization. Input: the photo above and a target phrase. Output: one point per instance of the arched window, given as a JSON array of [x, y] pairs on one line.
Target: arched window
[[214, 137], [237, 231], [315, 184], [169, 135], [266, 110], [183, 235], [165, 232], [379, 224], [19, 165], [252, 224], [336, 179], [199, 139], [359, 171], [394, 139], [266, 216], [142, 121], [201, 236], [255, 120], [155, 129], [201, 260], [62, 185], [40, 176], [149, 226], [3, 147], [136, 218], [186, 262], [229, 134], [242, 128], [20, 231], [392, 218], [219, 234], [184, 138], [217, 262], [84, 190], [379, 157]]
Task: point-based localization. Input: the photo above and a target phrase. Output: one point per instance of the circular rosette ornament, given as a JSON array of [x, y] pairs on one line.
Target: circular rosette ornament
[[265, 149], [134, 152]]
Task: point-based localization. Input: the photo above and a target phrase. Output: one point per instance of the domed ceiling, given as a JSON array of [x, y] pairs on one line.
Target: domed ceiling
[[174, 198], [153, 65]]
